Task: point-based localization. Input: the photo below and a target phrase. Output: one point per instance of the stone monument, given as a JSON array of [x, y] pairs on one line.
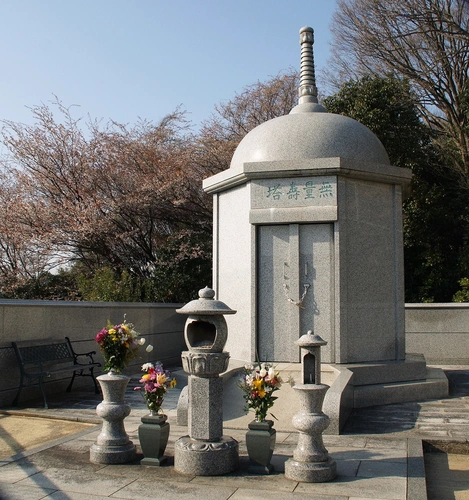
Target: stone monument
[[308, 236], [205, 451]]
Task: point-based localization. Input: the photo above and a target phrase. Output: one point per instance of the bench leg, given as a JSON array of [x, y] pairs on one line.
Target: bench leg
[[69, 388], [91, 374], [17, 397], [43, 394], [96, 388]]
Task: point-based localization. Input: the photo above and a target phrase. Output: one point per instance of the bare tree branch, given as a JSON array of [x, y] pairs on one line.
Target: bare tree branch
[[425, 41]]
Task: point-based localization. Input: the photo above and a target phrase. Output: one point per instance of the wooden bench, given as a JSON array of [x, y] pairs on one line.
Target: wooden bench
[[41, 360]]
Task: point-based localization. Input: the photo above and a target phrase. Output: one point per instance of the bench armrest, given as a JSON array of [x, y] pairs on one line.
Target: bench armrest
[[86, 354], [89, 355]]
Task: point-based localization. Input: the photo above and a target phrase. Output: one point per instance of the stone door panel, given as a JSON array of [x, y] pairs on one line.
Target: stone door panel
[[295, 288]]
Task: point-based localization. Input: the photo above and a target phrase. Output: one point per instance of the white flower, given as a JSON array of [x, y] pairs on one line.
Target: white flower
[[263, 372], [141, 341], [271, 372], [149, 348], [147, 366]]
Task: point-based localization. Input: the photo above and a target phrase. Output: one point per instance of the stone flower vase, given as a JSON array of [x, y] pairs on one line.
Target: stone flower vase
[[260, 443], [113, 445], [153, 434]]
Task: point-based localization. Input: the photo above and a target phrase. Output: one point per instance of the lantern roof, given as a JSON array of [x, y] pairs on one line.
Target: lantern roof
[[205, 305], [310, 340]]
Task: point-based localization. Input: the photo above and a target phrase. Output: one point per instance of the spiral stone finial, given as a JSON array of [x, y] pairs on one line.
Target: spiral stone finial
[[307, 91]]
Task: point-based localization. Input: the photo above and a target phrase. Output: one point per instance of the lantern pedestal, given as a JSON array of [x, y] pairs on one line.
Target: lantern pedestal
[[205, 451], [205, 458]]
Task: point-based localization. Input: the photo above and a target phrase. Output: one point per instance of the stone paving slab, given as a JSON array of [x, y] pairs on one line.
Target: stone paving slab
[[73, 480], [244, 494], [19, 492], [60, 495], [387, 488], [166, 490]]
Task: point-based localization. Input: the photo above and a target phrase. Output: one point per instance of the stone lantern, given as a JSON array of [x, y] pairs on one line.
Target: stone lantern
[[205, 451], [311, 462], [310, 345]]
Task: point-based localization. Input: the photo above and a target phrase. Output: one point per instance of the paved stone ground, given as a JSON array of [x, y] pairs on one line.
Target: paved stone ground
[[442, 424], [379, 457], [446, 419]]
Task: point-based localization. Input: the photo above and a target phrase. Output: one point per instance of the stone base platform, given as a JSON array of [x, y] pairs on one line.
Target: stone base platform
[[206, 458], [393, 382], [363, 385], [104, 454], [311, 472]]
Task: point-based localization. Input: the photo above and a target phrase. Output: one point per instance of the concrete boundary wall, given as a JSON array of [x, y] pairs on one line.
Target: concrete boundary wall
[[438, 331], [35, 320]]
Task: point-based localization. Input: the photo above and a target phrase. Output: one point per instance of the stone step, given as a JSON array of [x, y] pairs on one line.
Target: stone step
[[435, 386], [413, 367]]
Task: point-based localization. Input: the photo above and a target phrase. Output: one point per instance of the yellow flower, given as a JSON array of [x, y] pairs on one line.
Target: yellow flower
[[146, 376], [112, 331], [258, 384], [161, 378], [261, 393], [173, 383]]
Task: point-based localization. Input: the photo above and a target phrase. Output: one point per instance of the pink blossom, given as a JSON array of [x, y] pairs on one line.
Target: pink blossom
[[100, 336]]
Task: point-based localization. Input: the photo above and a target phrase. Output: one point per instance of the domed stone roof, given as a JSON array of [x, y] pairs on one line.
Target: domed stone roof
[[309, 132], [309, 135]]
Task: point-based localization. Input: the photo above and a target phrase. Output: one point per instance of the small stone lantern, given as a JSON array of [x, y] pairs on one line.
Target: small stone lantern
[[311, 462], [205, 451], [311, 357]]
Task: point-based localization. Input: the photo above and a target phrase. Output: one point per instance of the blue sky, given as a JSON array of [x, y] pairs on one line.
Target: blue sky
[[124, 59]]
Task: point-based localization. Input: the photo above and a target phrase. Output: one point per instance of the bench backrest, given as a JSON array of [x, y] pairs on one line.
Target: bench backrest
[[46, 353]]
